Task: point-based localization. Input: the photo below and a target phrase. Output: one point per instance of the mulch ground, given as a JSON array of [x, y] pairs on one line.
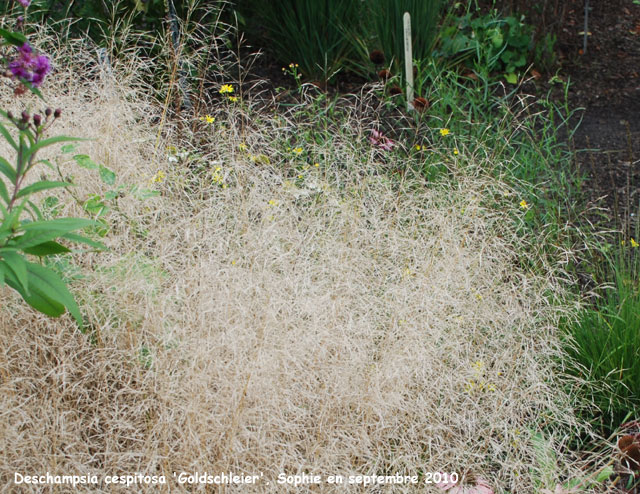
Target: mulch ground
[[605, 81]]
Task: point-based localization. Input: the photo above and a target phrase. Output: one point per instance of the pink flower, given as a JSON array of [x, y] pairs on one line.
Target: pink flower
[[379, 140], [24, 3]]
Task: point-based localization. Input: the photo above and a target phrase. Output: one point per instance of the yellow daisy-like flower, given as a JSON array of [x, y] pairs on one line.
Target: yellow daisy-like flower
[[317, 165], [418, 147], [226, 89], [444, 132], [634, 244], [273, 202], [523, 204], [233, 99], [297, 150], [208, 118], [455, 151]]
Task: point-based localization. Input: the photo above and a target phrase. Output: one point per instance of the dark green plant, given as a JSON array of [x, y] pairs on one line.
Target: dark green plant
[[604, 343], [315, 34], [385, 23]]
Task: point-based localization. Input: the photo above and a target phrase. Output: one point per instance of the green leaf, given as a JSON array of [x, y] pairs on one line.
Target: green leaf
[[95, 206], [605, 474], [511, 78], [107, 176], [49, 291], [74, 237], [48, 142], [7, 170], [85, 161], [7, 136], [17, 264], [17, 39], [3, 192], [38, 232], [42, 185], [1, 274], [68, 148], [47, 249]]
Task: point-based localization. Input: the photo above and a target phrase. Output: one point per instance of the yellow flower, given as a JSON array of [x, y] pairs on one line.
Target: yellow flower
[[273, 202], [242, 146], [233, 99], [455, 151], [634, 244], [297, 150], [158, 177], [316, 165], [208, 118], [226, 89], [300, 176], [444, 132], [478, 365], [523, 204], [418, 147], [172, 149], [233, 263]]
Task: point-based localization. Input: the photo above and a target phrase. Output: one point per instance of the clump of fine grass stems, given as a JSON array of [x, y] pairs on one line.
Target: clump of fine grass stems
[[415, 331]]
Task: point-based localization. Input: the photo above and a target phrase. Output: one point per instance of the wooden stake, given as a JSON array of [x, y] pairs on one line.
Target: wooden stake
[[408, 59]]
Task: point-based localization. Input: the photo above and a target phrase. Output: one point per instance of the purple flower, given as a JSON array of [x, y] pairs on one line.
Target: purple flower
[[24, 3], [30, 67], [379, 140]]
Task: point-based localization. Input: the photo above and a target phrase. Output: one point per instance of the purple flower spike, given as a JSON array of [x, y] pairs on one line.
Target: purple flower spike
[[24, 3]]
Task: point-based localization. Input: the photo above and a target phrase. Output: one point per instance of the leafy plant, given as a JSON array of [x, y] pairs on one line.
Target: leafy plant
[[487, 43], [24, 231]]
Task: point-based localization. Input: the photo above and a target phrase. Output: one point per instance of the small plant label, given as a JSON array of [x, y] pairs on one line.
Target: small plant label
[[408, 59]]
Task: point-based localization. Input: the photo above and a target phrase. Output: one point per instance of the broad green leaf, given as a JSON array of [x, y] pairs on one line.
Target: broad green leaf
[[42, 185], [68, 148], [35, 298], [85, 161], [7, 170], [18, 266], [107, 176], [38, 232], [48, 290], [47, 249], [17, 39], [7, 136]]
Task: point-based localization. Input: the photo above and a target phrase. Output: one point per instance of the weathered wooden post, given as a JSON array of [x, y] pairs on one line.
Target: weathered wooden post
[[408, 59]]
